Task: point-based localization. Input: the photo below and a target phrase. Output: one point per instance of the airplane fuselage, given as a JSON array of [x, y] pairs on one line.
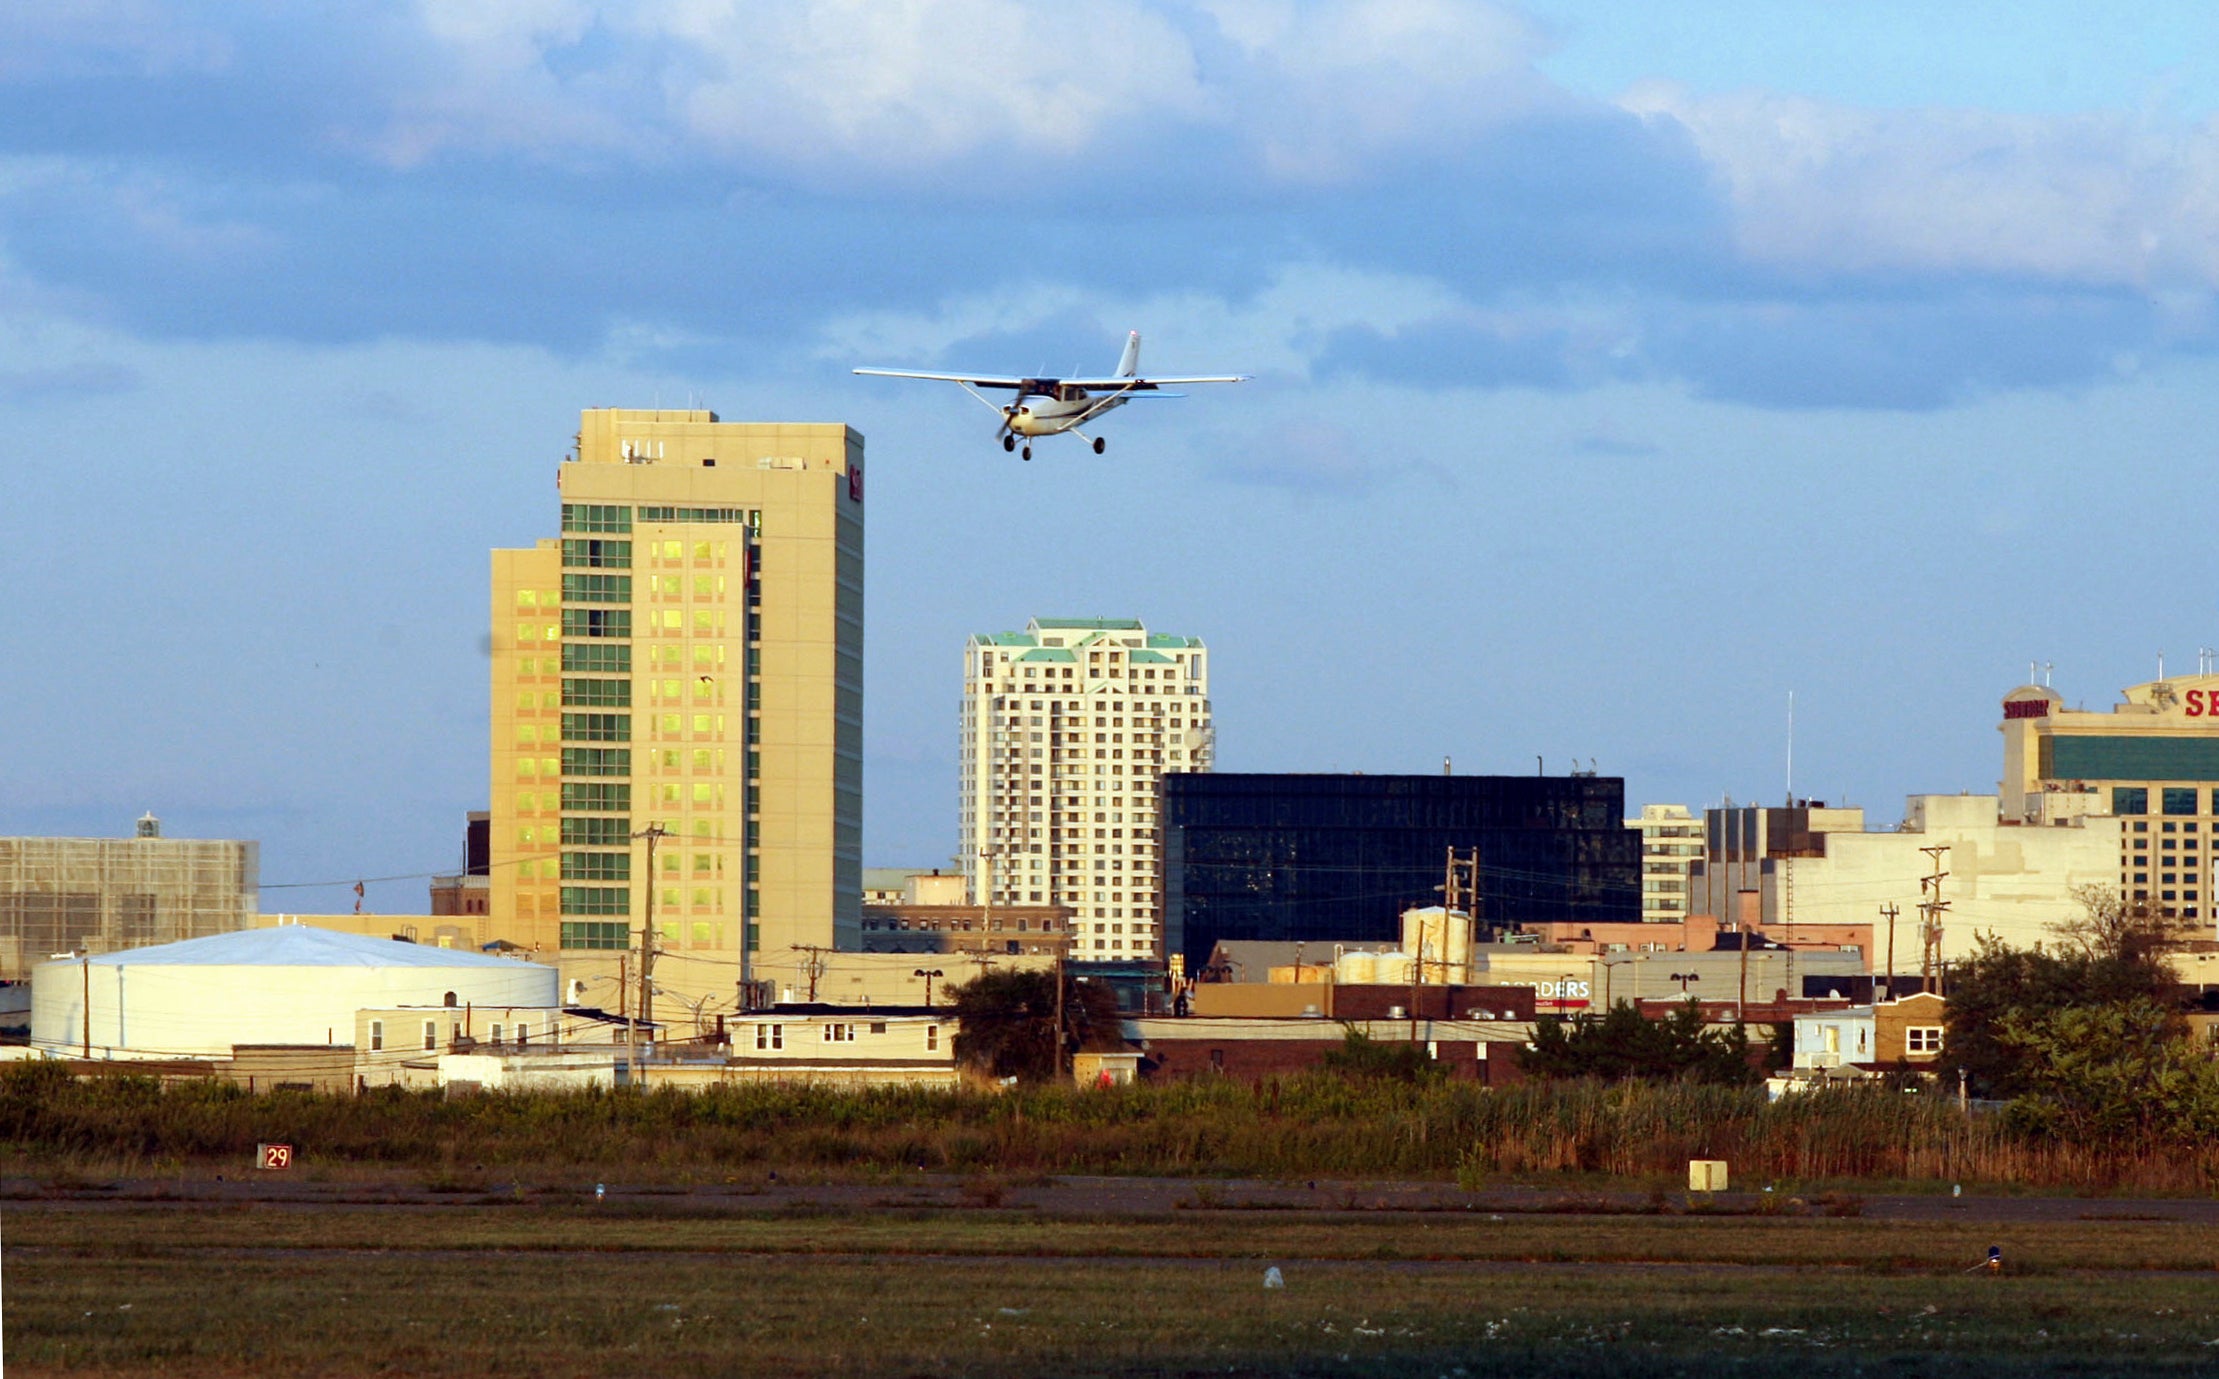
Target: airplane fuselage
[[1054, 406], [1052, 416]]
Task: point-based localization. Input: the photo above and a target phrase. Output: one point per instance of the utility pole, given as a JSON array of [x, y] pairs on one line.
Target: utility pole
[[1741, 994], [1461, 883], [1059, 1017], [815, 966], [1931, 909], [624, 1013], [1448, 895], [1890, 912], [86, 964], [653, 833], [1417, 965]]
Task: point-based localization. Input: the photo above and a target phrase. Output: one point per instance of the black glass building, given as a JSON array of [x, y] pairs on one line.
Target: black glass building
[[1341, 857]]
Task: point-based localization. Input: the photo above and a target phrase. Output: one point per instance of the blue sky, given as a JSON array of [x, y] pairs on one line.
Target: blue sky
[[1619, 371]]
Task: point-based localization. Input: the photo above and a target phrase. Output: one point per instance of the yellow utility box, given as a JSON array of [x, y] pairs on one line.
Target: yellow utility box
[[1706, 1175]]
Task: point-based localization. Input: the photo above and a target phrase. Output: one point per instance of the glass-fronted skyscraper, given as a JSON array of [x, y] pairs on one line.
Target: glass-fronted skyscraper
[[2151, 760], [1340, 857]]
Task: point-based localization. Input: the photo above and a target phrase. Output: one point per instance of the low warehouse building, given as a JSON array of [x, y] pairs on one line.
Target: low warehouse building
[[294, 985]]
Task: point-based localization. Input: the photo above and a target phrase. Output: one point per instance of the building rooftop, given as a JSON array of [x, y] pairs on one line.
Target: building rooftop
[[299, 945], [1251, 959]]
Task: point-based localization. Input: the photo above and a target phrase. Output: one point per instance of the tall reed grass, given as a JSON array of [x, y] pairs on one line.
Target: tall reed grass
[[1308, 1126]]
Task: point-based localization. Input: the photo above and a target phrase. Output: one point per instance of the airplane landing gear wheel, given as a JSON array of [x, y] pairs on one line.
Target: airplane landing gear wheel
[[1098, 446], [1009, 443], [1028, 452]]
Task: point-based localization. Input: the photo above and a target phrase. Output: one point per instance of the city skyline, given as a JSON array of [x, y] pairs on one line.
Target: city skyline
[[1615, 378]]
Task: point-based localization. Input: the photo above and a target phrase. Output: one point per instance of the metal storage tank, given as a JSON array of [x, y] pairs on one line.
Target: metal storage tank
[[289, 985]]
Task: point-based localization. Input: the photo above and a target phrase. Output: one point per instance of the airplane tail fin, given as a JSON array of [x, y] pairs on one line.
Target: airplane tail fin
[[1128, 363]]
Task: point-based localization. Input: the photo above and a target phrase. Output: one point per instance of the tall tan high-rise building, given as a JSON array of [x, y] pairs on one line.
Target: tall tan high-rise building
[[1671, 841], [1067, 726], [688, 654]]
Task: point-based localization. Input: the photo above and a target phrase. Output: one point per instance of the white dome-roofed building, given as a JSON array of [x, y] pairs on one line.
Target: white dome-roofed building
[[290, 985]]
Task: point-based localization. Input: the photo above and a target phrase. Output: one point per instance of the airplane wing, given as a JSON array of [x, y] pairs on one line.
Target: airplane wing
[[1142, 385], [973, 380]]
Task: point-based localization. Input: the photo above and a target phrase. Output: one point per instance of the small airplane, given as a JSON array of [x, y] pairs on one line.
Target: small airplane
[[1051, 406]]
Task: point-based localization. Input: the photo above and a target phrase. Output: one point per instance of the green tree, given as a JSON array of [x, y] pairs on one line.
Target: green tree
[[1005, 1022], [2119, 1070], [1623, 1043], [2112, 954], [1360, 1055]]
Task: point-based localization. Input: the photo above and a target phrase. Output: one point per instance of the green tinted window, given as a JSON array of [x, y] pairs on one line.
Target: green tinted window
[[590, 693], [597, 866], [590, 832], [597, 555], [612, 660], [2130, 799], [595, 517], [596, 588], [592, 934], [597, 727], [596, 900], [597, 761], [655, 514], [2177, 800], [590, 797], [597, 622]]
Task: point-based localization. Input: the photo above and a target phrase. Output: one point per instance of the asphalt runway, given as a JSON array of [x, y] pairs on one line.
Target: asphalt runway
[[1109, 1197]]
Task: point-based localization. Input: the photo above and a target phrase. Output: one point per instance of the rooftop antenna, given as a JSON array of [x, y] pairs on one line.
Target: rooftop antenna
[[2160, 665], [2047, 667], [1791, 749], [1445, 768]]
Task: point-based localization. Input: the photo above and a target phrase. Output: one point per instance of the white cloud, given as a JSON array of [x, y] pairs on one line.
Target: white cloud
[[83, 37], [885, 82], [487, 85], [1327, 87], [1279, 330], [898, 90], [2097, 199]]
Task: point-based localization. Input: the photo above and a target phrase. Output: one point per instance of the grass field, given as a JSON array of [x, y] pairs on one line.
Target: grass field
[[1309, 1126], [568, 1288]]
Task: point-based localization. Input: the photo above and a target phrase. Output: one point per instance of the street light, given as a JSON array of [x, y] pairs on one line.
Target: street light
[[1683, 978], [928, 974], [1607, 965]]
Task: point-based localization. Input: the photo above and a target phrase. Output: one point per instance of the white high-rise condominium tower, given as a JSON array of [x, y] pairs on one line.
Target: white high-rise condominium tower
[[1066, 727]]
